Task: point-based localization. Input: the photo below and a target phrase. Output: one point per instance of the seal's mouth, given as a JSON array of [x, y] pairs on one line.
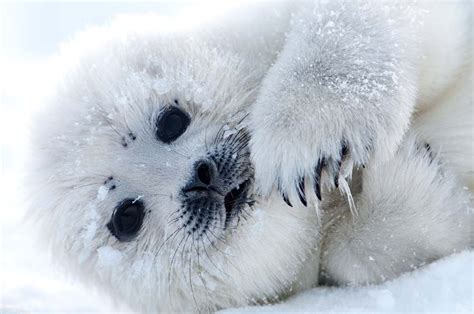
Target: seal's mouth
[[220, 187], [235, 199], [231, 199]]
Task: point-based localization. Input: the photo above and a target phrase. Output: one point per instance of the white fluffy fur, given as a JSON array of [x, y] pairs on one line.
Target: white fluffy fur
[[409, 212], [353, 72], [305, 91]]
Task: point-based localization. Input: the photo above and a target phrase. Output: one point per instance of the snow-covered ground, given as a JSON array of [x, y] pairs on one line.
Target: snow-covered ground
[[29, 282], [444, 286]]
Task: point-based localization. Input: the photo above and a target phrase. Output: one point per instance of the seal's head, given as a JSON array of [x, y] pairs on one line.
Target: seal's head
[[142, 179]]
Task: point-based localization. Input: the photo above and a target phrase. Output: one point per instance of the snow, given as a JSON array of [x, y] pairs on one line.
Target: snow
[[108, 257], [162, 86], [443, 286], [139, 197], [102, 193]]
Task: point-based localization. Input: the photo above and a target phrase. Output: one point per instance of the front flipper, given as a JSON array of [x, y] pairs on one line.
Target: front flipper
[[340, 93]]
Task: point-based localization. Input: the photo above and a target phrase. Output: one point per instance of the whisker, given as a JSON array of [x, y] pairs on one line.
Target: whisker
[[209, 258], [168, 238], [223, 254], [200, 267], [190, 279], [104, 114], [179, 153]]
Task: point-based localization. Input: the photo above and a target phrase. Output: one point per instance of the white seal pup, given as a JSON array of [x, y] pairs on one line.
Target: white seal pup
[[143, 182]]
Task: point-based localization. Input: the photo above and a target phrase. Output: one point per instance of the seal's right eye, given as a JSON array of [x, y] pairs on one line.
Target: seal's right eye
[[171, 124], [127, 219]]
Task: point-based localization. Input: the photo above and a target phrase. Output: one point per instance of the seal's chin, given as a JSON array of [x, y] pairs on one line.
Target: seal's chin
[[236, 199]]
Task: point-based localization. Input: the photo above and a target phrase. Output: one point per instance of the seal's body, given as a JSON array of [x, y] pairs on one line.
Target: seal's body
[[144, 164]]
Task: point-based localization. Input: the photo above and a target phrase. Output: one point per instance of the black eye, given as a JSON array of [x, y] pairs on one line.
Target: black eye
[[127, 219], [171, 124]]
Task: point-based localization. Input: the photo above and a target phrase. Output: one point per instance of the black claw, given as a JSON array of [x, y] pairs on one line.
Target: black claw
[[430, 152], [287, 201], [344, 151], [317, 178], [337, 170], [301, 193], [284, 196]]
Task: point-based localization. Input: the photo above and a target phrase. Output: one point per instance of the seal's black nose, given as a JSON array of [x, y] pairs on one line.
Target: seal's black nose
[[204, 176], [204, 173]]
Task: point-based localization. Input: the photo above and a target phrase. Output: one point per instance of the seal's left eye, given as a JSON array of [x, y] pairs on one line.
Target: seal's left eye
[[171, 124], [127, 219]]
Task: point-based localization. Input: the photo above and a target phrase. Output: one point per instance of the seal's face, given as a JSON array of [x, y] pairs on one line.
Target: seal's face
[[143, 182], [215, 190]]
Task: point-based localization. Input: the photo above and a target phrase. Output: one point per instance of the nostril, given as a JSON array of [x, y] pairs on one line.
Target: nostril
[[204, 173], [203, 178]]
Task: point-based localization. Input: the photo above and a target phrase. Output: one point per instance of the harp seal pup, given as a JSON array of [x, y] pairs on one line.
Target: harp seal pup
[[148, 175]]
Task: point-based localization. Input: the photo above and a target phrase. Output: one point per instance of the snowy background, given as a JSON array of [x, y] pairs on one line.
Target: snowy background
[[30, 34]]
